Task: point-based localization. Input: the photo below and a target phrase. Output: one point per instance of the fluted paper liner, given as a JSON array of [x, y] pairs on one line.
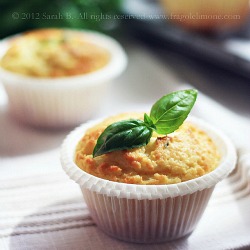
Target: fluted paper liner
[[147, 221], [148, 213]]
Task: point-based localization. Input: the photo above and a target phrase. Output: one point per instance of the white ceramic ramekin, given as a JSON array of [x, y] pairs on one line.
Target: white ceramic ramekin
[[148, 213], [63, 101]]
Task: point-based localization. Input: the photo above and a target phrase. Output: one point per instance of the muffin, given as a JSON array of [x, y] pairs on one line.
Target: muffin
[[154, 193], [49, 73], [204, 15], [53, 53], [180, 156]]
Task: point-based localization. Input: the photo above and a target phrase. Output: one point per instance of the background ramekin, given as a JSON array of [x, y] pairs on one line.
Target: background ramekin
[[147, 213], [212, 15], [63, 101]]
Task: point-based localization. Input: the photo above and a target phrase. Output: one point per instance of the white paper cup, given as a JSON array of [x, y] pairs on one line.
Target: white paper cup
[[148, 213], [63, 101]]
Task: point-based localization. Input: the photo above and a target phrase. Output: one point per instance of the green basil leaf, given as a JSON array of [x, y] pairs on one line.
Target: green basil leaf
[[148, 121], [169, 112], [121, 135], [166, 115]]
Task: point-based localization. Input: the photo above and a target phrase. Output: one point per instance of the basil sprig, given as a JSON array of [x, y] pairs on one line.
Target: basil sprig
[[166, 115]]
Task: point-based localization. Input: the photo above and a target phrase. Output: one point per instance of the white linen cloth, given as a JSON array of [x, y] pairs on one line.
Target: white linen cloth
[[41, 208]]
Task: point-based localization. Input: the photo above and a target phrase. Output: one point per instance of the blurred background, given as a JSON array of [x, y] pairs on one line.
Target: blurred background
[[207, 43], [18, 16]]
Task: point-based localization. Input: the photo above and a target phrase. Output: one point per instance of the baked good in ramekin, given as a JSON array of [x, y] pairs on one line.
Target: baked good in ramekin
[[204, 15], [156, 212], [49, 74]]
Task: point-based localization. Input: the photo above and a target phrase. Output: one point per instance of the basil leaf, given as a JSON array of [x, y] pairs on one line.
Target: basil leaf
[[148, 121], [121, 135], [169, 112], [166, 115]]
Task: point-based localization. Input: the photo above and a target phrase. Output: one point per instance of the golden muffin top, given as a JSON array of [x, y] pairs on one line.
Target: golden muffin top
[[182, 155], [53, 53]]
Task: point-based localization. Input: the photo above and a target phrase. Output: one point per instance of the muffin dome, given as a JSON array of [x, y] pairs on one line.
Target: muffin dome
[[54, 53], [182, 155]]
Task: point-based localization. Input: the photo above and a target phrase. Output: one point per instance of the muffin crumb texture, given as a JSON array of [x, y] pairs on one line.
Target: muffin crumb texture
[[54, 53], [182, 155]]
